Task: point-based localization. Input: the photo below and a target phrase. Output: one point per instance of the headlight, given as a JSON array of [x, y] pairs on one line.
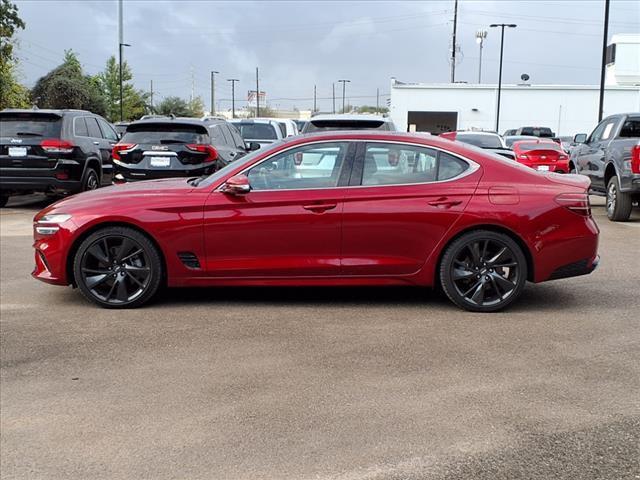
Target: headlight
[[52, 221]]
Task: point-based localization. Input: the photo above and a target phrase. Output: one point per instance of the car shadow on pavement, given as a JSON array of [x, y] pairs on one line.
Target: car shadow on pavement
[[31, 202]]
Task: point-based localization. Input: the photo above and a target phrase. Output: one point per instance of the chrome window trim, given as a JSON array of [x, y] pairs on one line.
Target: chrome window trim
[[473, 166]]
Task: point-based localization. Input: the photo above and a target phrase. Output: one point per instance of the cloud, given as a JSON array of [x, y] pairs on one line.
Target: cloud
[[346, 31]]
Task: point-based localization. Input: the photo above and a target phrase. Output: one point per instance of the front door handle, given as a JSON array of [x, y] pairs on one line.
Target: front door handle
[[320, 207], [96, 143], [444, 202]]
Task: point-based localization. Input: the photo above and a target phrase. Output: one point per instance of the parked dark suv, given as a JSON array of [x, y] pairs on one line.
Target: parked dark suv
[[175, 147], [53, 151]]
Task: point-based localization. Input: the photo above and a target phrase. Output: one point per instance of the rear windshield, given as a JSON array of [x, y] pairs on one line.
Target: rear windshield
[[256, 131], [525, 147], [537, 131], [30, 125], [324, 125], [630, 128], [482, 141], [163, 133]]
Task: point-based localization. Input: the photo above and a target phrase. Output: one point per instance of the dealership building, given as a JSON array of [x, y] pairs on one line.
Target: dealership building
[[566, 109]]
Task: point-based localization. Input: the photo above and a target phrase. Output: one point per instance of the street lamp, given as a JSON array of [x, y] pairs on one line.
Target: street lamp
[[213, 92], [120, 45], [344, 82], [480, 36], [233, 96], [502, 26]]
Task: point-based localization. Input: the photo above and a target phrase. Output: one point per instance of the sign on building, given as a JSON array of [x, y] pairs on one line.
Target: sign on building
[[251, 98]]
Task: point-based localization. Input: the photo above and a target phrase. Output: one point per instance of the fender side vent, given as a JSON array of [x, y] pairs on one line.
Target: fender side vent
[[189, 260]]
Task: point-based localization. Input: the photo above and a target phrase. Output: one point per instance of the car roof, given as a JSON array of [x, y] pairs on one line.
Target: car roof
[[349, 117], [268, 121], [169, 120], [50, 111], [479, 132]]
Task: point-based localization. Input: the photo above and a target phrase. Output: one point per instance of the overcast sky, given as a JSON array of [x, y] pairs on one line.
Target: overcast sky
[[297, 44]]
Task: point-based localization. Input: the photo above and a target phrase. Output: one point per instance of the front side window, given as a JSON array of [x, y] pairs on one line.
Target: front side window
[[310, 166], [107, 131], [395, 164]]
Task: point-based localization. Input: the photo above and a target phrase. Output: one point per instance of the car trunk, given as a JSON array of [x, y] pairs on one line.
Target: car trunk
[[542, 156]]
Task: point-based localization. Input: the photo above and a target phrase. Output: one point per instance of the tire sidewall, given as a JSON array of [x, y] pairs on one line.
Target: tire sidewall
[[88, 174]]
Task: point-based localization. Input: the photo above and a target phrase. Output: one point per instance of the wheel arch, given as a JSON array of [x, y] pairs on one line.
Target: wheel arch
[[609, 172], [78, 241], [493, 228], [94, 163]]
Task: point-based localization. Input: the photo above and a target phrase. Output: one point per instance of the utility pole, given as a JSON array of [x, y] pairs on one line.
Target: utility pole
[[333, 88], [120, 45], [480, 36], [344, 83], [314, 99], [257, 94], [213, 92], [233, 96], [502, 26], [151, 95], [603, 67], [377, 100], [453, 46], [193, 84]]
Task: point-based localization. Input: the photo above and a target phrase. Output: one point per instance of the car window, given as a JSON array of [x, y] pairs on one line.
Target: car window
[[257, 131], [92, 126], [165, 133], [80, 127], [310, 166], [283, 128], [480, 140], [107, 131], [596, 135], [30, 124], [630, 128], [345, 124], [217, 136], [394, 164], [606, 133], [237, 139], [450, 166], [229, 135]]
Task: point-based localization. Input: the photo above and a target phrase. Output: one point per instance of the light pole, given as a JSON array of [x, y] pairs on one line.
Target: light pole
[[213, 92], [480, 36], [120, 45], [502, 26], [603, 67], [344, 83], [233, 96]]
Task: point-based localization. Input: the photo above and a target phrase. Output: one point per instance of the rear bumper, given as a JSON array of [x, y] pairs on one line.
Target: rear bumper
[[575, 269], [122, 173], [552, 166], [10, 184]]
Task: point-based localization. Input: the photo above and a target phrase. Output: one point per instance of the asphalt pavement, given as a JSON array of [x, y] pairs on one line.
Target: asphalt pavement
[[323, 383]]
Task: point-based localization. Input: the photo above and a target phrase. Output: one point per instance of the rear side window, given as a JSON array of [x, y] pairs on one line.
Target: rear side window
[[165, 133], [257, 131], [92, 126], [80, 127], [630, 128], [30, 124], [450, 166], [283, 128]]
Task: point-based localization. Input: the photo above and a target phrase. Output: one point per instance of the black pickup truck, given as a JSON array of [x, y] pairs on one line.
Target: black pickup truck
[[610, 157]]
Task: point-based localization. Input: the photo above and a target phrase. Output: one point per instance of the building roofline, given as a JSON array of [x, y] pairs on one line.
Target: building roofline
[[493, 86]]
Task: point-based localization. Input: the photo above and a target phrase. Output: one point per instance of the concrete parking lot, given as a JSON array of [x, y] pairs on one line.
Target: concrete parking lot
[[344, 384]]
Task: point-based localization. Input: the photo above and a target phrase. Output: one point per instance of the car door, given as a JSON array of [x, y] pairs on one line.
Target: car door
[[401, 202], [221, 141], [109, 139], [288, 225], [105, 153]]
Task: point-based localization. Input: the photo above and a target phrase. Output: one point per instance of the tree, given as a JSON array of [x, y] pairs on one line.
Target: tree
[[371, 109], [264, 111], [67, 87], [135, 103], [196, 107], [173, 106], [12, 94]]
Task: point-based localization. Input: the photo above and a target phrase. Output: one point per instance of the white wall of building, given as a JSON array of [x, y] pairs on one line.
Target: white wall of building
[[566, 109]]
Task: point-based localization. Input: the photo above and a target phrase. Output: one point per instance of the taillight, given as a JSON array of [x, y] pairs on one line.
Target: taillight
[[576, 202], [121, 147], [563, 157], [54, 145], [212, 153], [523, 157], [635, 159]]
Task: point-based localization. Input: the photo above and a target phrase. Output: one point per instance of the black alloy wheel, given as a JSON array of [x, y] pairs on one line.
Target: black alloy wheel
[[483, 271], [118, 267], [91, 180]]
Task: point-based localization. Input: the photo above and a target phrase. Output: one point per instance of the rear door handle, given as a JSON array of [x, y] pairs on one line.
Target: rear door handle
[[320, 207], [445, 202]]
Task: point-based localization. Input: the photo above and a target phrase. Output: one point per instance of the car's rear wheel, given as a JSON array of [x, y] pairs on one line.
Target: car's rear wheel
[[91, 180], [618, 203], [483, 271], [117, 267]]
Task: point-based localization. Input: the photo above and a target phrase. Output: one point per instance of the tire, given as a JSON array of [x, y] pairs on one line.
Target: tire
[[572, 168], [618, 203], [3, 200], [483, 271], [90, 180], [117, 267]]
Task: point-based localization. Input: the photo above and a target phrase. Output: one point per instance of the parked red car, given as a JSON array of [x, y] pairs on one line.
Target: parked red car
[[336, 208], [542, 155]]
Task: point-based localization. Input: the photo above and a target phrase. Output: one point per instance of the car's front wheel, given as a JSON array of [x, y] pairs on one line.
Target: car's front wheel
[[483, 271], [618, 203], [117, 267]]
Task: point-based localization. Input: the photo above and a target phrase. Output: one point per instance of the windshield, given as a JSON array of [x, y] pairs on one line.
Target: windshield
[[482, 141], [256, 131], [339, 124], [526, 147], [30, 125], [165, 133]]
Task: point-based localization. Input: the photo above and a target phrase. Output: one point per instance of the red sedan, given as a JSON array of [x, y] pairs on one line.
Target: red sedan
[[542, 155], [338, 208]]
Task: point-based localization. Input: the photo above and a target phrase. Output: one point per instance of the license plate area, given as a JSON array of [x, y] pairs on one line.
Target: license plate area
[[543, 168], [160, 162], [18, 152]]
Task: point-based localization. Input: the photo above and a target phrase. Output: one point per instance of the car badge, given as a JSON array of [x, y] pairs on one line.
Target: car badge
[[159, 147], [16, 140]]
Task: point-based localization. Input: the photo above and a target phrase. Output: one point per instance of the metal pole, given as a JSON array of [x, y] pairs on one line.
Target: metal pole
[[480, 64], [257, 95], [344, 83], [500, 80], [213, 92], [377, 100], [453, 47], [603, 67], [151, 95], [314, 98], [233, 96], [120, 42], [333, 87]]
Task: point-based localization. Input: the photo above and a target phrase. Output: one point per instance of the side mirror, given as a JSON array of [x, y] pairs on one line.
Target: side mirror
[[253, 146], [580, 138], [237, 185]]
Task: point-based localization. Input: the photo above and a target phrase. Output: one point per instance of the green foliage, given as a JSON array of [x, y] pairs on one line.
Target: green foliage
[[371, 109], [181, 108], [135, 103], [12, 94], [9, 22], [67, 87]]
